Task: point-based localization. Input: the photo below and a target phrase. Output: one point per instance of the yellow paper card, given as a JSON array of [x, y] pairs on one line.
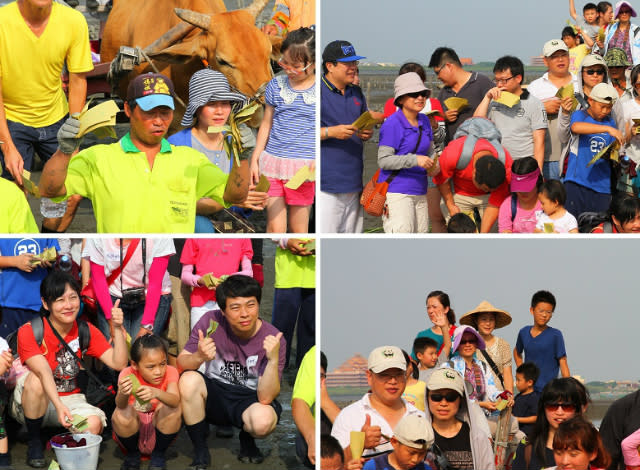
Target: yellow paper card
[[434, 112], [566, 91], [548, 227], [356, 444], [455, 103], [29, 185], [50, 254], [263, 184], [99, 116], [366, 121], [508, 99], [611, 151], [302, 175]]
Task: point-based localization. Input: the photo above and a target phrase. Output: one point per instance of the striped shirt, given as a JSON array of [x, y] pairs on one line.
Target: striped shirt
[[293, 129]]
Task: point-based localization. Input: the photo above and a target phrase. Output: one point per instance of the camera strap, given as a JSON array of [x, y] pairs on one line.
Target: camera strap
[[132, 248]]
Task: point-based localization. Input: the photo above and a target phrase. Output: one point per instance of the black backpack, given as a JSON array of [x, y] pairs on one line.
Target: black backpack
[[37, 325], [587, 221]]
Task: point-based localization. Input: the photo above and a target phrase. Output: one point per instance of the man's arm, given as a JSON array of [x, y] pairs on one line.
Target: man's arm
[[306, 425], [12, 158], [447, 196], [483, 107], [54, 174], [489, 218], [77, 92], [206, 352], [538, 146], [269, 381], [564, 367], [517, 357]]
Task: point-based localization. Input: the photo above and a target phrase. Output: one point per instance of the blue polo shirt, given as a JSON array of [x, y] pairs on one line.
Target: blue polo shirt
[[342, 160], [396, 132]]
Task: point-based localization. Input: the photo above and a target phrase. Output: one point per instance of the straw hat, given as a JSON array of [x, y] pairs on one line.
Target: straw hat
[[503, 318]]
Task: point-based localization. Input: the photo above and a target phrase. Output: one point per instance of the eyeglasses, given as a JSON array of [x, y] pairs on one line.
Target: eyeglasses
[[469, 341], [569, 408], [449, 397], [323, 375], [592, 71], [418, 94], [438, 70], [502, 81], [387, 376], [292, 70]]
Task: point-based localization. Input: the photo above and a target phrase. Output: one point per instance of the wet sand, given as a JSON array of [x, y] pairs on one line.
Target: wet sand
[[278, 448]]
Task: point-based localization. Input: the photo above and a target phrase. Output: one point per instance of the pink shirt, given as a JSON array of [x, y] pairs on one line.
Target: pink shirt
[[524, 222], [216, 256]]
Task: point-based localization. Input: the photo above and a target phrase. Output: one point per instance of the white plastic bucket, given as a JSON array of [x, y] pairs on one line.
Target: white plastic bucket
[[79, 458]]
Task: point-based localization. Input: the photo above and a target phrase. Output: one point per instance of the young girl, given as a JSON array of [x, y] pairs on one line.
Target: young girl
[[525, 182], [6, 360], [554, 218], [577, 445], [415, 389], [155, 404], [286, 138], [210, 104]]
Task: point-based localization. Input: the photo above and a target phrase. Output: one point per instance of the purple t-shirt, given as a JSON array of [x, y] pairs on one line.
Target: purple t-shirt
[[237, 361], [397, 133]]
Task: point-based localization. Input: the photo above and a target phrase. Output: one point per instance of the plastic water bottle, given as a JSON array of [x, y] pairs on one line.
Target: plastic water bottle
[[65, 263]]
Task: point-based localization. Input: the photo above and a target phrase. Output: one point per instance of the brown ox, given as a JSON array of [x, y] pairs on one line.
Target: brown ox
[[228, 41]]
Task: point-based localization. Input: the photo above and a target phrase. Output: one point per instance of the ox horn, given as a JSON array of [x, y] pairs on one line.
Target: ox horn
[[172, 36], [256, 7], [200, 20]]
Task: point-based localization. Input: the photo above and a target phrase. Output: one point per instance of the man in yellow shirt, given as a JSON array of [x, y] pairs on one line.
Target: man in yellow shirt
[[143, 184], [37, 37], [15, 213]]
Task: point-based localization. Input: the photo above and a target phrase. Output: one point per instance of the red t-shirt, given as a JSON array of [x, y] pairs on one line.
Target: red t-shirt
[[64, 367], [217, 256], [170, 376], [390, 108], [463, 179]]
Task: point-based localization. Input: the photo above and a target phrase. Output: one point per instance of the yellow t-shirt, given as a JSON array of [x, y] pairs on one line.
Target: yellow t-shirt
[[294, 270], [30, 66], [129, 197], [415, 394], [15, 213], [576, 54], [305, 386]]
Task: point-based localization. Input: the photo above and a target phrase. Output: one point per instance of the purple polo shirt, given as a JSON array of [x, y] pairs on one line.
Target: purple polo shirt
[[342, 160], [396, 132]]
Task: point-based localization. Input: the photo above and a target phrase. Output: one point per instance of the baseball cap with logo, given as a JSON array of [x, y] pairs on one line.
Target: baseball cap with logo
[[524, 183], [446, 378], [414, 431], [340, 51], [151, 90], [604, 93], [553, 46], [386, 357]]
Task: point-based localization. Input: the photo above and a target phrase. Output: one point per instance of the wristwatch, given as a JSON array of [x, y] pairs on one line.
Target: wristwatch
[[148, 327]]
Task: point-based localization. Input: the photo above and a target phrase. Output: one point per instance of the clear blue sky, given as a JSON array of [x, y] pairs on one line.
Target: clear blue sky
[[373, 293], [395, 31]]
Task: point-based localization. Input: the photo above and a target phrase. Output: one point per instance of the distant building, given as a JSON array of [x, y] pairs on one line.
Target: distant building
[[466, 60], [352, 373], [537, 61]]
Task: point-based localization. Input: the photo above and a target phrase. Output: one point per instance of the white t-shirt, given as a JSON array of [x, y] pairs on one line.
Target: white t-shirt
[[631, 110], [562, 225], [106, 252]]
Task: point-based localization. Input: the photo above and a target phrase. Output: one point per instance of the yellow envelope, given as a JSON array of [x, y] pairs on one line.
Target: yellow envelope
[[29, 185], [508, 99], [263, 185], [565, 91], [455, 103], [434, 112], [612, 151], [99, 116], [366, 121], [302, 175], [50, 254], [356, 444]]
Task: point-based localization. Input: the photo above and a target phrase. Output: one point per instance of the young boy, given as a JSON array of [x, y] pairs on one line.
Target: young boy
[[525, 408], [588, 184], [426, 350], [542, 344], [588, 25], [412, 437]]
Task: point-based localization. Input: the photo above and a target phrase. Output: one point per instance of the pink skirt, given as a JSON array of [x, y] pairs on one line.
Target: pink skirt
[[281, 168]]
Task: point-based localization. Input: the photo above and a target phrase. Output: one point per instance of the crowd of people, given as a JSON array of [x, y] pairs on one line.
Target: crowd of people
[[37, 118], [558, 155], [458, 401], [176, 327]]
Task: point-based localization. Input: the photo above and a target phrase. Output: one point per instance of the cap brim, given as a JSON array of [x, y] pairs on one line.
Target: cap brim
[[149, 102], [351, 59]]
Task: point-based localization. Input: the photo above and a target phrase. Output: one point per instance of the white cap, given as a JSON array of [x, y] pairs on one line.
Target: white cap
[[386, 357], [554, 45], [604, 93], [414, 431], [446, 378]]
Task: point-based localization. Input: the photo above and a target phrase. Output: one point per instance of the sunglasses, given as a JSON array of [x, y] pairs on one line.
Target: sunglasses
[[469, 341], [418, 94], [596, 71], [449, 397], [569, 408]]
